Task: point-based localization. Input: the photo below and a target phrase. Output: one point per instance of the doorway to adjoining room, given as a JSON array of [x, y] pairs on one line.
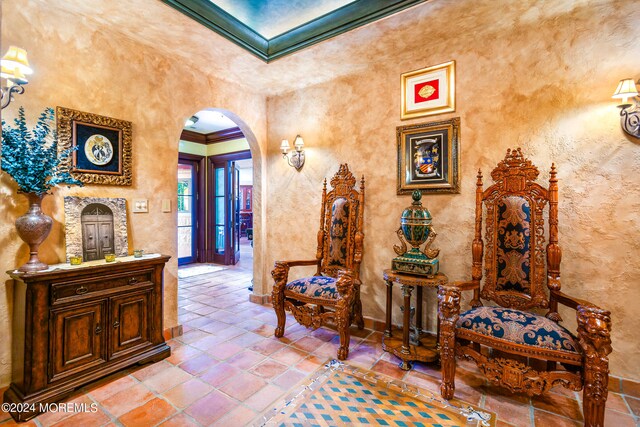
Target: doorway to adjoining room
[[215, 204]]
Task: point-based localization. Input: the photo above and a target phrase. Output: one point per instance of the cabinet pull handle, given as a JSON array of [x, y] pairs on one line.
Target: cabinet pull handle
[[81, 290], [116, 324], [98, 329], [133, 280]]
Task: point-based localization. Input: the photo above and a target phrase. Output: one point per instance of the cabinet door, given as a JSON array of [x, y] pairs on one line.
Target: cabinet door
[[130, 322], [78, 342]]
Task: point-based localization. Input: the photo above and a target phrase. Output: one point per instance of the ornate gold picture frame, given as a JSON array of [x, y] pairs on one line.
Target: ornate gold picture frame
[[428, 91], [429, 157], [103, 153]]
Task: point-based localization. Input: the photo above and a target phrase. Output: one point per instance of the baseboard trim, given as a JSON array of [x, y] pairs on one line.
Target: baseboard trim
[[625, 386], [174, 332], [260, 299]]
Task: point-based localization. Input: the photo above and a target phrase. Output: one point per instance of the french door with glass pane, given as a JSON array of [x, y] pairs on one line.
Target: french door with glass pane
[[225, 207], [187, 211]]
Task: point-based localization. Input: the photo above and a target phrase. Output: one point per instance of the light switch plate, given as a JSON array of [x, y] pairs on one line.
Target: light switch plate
[[140, 205], [166, 205]]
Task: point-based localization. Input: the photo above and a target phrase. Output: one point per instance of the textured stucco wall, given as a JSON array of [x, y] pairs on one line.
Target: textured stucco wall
[[90, 68], [535, 74], [532, 74]]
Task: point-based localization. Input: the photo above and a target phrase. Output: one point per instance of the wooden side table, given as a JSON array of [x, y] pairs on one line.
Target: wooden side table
[[420, 345]]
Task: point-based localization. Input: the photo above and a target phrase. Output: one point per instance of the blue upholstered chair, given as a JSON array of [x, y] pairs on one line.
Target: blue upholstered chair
[[512, 340], [332, 294]]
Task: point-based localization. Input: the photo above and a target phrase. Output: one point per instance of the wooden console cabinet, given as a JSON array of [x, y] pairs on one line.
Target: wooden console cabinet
[[73, 326]]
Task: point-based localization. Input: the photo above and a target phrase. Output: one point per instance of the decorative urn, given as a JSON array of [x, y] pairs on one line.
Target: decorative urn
[[416, 229]]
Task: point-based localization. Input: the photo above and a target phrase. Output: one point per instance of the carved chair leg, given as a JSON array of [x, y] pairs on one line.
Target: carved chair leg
[[280, 274], [278, 306], [358, 313], [594, 336], [594, 395], [593, 405], [344, 310], [343, 321], [448, 313], [345, 337], [448, 366]]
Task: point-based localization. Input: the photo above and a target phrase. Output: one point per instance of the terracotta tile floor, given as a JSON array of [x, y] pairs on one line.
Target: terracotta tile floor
[[228, 367]]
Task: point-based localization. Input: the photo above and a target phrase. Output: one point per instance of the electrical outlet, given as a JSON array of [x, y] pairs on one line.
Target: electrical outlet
[[140, 205]]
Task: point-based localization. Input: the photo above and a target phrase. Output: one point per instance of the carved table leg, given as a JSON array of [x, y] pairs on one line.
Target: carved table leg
[[438, 333], [406, 326], [418, 332], [387, 331]]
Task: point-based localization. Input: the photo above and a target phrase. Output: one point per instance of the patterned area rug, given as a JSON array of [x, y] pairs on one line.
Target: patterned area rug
[[341, 395], [197, 270]]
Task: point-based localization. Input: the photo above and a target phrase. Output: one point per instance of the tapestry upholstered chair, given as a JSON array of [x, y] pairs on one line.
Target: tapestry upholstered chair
[[333, 293], [516, 348]]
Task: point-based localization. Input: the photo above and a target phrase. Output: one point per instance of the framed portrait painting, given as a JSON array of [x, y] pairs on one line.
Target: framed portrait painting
[[103, 146], [428, 91], [429, 157]]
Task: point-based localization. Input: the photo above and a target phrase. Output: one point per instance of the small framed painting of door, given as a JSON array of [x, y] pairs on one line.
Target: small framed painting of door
[[95, 227]]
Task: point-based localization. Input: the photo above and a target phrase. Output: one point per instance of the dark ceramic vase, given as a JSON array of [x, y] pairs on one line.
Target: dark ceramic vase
[[33, 227]]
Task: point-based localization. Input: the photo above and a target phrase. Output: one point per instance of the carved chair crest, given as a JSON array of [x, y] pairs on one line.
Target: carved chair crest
[[514, 265], [341, 225]]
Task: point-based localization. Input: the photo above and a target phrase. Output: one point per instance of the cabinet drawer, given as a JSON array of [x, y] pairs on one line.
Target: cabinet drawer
[[98, 286]]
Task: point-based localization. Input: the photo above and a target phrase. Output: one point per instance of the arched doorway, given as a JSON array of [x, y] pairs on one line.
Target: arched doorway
[[97, 231], [247, 204]]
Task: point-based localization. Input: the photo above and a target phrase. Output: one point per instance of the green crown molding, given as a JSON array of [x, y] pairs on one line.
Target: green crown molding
[[341, 20]]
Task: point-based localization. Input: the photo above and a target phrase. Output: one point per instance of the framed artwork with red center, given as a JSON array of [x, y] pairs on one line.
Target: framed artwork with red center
[[428, 91]]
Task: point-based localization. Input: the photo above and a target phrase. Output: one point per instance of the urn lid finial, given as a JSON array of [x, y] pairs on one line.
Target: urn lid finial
[[416, 195]]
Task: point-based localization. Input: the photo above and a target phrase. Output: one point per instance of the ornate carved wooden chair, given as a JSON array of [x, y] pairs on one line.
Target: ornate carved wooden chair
[[333, 293], [514, 347]]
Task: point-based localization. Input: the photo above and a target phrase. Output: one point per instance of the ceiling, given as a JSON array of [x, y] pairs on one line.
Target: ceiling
[[211, 121], [271, 29], [383, 46], [270, 18], [244, 164]]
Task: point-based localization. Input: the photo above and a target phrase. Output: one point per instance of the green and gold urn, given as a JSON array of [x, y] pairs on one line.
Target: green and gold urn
[[416, 229]]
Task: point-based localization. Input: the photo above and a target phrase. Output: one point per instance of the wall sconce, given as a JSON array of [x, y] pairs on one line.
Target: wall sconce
[[629, 113], [295, 159], [13, 67]]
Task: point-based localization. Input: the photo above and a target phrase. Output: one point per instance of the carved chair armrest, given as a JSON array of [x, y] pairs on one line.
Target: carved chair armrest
[[594, 326], [594, 334], [466, 285], [300, 262], [570, 301], [280, 272], [449, 304], [345, 284]]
